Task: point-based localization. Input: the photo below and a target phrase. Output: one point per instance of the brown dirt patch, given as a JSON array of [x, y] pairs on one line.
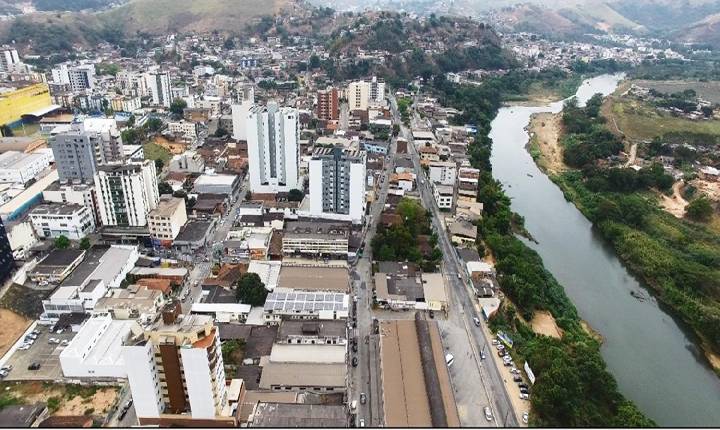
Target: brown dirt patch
[[12, 327], [675, 204], [544, 323], [591, 331]]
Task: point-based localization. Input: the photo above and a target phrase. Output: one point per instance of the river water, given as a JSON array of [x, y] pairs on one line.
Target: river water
[[653, 358]]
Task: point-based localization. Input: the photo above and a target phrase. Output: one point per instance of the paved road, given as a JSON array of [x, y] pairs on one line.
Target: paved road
[[493, 382], [366, 377]]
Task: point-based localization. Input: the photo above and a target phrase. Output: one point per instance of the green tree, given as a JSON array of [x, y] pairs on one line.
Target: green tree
[[164, 187], [699, 209], [177, 107], [153, 125], [295, 195], [85, 243], [62, 242], [220, 132], [251, 290]]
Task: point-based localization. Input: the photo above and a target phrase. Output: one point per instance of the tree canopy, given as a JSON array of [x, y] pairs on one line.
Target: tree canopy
[[251, 290]]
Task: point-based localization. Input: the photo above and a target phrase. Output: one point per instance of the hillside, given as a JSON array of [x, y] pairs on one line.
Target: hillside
[[163, 16]]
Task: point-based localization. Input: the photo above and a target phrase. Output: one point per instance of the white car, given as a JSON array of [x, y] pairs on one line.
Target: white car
[[24, 347], [362, 422], [525, 417], [65, 342], [488, 413]]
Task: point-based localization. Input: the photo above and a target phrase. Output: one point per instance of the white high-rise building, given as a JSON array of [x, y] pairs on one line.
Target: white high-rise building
[[9, 60], [80, 78], [126, 193], [273, 152], [158, 85], [240, 111], [361, 94], [337, 184], [175, 367]]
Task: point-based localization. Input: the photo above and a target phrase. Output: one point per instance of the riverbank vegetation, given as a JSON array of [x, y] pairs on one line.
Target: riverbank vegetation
[[678, 258], [572, 387]]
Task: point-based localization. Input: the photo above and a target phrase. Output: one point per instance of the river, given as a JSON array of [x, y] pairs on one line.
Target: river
[[653, 358]]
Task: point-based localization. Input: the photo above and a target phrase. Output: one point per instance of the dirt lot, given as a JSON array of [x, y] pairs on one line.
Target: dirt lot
[[675, 204], [12, 327], [65, 399], [545, 129], [544, 323]]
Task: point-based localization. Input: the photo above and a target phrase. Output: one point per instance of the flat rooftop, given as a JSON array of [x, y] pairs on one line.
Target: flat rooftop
[[289, 415], [166, 207], [304, 375], [316, 278]]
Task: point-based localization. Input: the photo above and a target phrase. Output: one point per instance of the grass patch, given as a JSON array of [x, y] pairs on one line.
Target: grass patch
[[640, 121], [154, 151]]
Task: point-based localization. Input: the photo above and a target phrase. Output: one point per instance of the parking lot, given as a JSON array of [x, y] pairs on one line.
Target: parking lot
[[42, 352]]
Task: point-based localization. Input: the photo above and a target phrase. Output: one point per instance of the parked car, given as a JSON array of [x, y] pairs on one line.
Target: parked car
[[524, 385], [432, 314], [494, 342], [363, 398], [362, 422], [354, 361], [525, 417], [34, 366], [501, 354], [516, 378], [476, 320], [54, 340], [65, 342], [488, 413], [7, 367], [524, 396]]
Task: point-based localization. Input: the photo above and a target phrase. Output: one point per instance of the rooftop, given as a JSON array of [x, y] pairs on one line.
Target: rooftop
[[319, 328], [56, 209], [284, 300], [303, 375], [290, 415], [316, 278], [308, 353], [316, 229], [166, 207]]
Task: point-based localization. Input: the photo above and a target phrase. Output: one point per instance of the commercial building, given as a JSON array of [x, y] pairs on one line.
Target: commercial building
[[22, 99], [316, 239], [53, 220], [79, 78], [337, 183], [434, 291], [273, 152], [167, 219], [312, 332], [176, 367], [185, 129], [56, 266], [126, 193], [298, 415], [158, 85], [362, 94], [327, 104], [102, 268], [285, 303], [20, 168], [95, 352], [217, 184], [314, 278], [442, 172]]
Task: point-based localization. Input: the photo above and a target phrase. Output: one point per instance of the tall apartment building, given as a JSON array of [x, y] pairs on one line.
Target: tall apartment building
[[80, 149], [80, 78], [126, 193], [175, 367], [240, 111], [9, 60], [7, 262], [158, 84], [132, 84], [273, 152], [327, 104], [361, 94], [337, 183]]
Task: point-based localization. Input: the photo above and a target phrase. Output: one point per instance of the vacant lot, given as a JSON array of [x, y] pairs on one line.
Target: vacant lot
[[154, 151], [544, 323], [24, 301], [12, 327], [62, 399], [707, 90]]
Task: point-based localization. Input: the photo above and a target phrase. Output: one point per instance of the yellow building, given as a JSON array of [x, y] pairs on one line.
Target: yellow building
[[24, 100]]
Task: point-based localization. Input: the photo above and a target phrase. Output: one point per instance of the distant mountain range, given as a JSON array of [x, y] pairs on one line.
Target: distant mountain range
[[695, 21]]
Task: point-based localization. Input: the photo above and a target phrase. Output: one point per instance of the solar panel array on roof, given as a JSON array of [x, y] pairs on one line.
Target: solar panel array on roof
[[306, 301]]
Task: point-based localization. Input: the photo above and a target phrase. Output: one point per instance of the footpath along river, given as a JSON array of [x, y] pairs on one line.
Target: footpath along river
[[654, 359]]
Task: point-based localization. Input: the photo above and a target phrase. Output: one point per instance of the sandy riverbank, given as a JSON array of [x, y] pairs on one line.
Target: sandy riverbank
[[545, 130]]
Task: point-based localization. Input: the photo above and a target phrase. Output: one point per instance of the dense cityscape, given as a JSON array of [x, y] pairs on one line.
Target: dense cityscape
[[320, 221]]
